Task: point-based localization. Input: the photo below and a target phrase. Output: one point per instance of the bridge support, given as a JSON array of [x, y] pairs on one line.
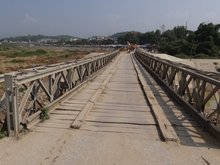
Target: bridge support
[[11, 105]]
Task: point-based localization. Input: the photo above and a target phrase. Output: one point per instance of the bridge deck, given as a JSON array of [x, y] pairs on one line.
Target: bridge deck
[[119, 129]]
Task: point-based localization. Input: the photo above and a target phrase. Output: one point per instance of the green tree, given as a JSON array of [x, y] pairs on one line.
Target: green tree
[[180, 32], [132, 37], [208, 38]]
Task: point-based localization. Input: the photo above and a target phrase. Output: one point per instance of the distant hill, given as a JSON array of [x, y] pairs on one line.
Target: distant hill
[[121, 34], [35, 38]]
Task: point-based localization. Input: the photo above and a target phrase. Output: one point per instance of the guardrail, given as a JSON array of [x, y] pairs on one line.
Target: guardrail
[[2, 93], [198, 91], [27, 94]]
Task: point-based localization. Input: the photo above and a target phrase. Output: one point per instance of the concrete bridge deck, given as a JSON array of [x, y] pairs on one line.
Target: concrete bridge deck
[[118, 128]]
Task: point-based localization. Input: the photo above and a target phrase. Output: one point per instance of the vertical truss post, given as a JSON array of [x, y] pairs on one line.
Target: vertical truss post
[[11, 105], [50, 87], [89, 69], [69, 78]]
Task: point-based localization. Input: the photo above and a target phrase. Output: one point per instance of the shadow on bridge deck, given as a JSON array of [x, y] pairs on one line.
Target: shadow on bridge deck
[[189, 131]]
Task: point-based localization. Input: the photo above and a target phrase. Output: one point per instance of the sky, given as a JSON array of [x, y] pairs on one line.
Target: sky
[[86, 18]]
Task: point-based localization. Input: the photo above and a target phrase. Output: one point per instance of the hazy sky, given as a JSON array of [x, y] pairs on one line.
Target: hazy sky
[[85, 18]]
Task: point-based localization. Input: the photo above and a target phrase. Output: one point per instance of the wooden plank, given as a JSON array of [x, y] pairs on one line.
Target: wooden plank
[[69, 108], [123, 120], [89, 105], [54, 125], [63, 117], [54, 120], [61, 112], [71, 105], [122, 126], [123, 116], [117, 129], [137, 93], [75, 102], [115, 108], [165, 127], [122, 99], [121, 112], [110, 105]]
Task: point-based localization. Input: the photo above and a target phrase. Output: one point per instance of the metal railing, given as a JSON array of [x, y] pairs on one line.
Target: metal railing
[[199, 91], [28, 93], [2, 96]]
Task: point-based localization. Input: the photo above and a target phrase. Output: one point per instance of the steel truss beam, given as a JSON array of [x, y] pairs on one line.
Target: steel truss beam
[[27, 94], [198, 91]]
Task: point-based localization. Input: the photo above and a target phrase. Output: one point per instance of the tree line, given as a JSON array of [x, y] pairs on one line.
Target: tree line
[[204, 42]]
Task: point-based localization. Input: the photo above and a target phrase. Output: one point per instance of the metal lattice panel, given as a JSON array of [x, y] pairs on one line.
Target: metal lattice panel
[[27, 94], [199, 90]]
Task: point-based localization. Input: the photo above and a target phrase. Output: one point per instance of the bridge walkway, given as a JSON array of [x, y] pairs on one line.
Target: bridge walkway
[[119, 128]]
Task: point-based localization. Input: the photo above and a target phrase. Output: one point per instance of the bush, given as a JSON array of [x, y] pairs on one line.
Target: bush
[[3, 134], [207, 47], [44, 115], [17, 61], [183, 56], [67, 55], [41, 51], [17, 54], [21, 53], [72, 51], [25, 53]]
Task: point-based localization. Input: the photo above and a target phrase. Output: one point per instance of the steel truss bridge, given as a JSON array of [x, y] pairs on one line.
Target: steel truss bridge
[[115, 92]]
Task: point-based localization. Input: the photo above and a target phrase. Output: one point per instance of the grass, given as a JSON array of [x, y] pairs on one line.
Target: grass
[[4, 48], [44, 115], [40, 51], [72, 51], [15, 57], [27, 53], [3, 134], [21, 90], [17, 61], [8, 46]]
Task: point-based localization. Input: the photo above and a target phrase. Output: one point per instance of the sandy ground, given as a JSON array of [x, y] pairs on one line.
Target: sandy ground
[[209, 65], [93, 54]]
